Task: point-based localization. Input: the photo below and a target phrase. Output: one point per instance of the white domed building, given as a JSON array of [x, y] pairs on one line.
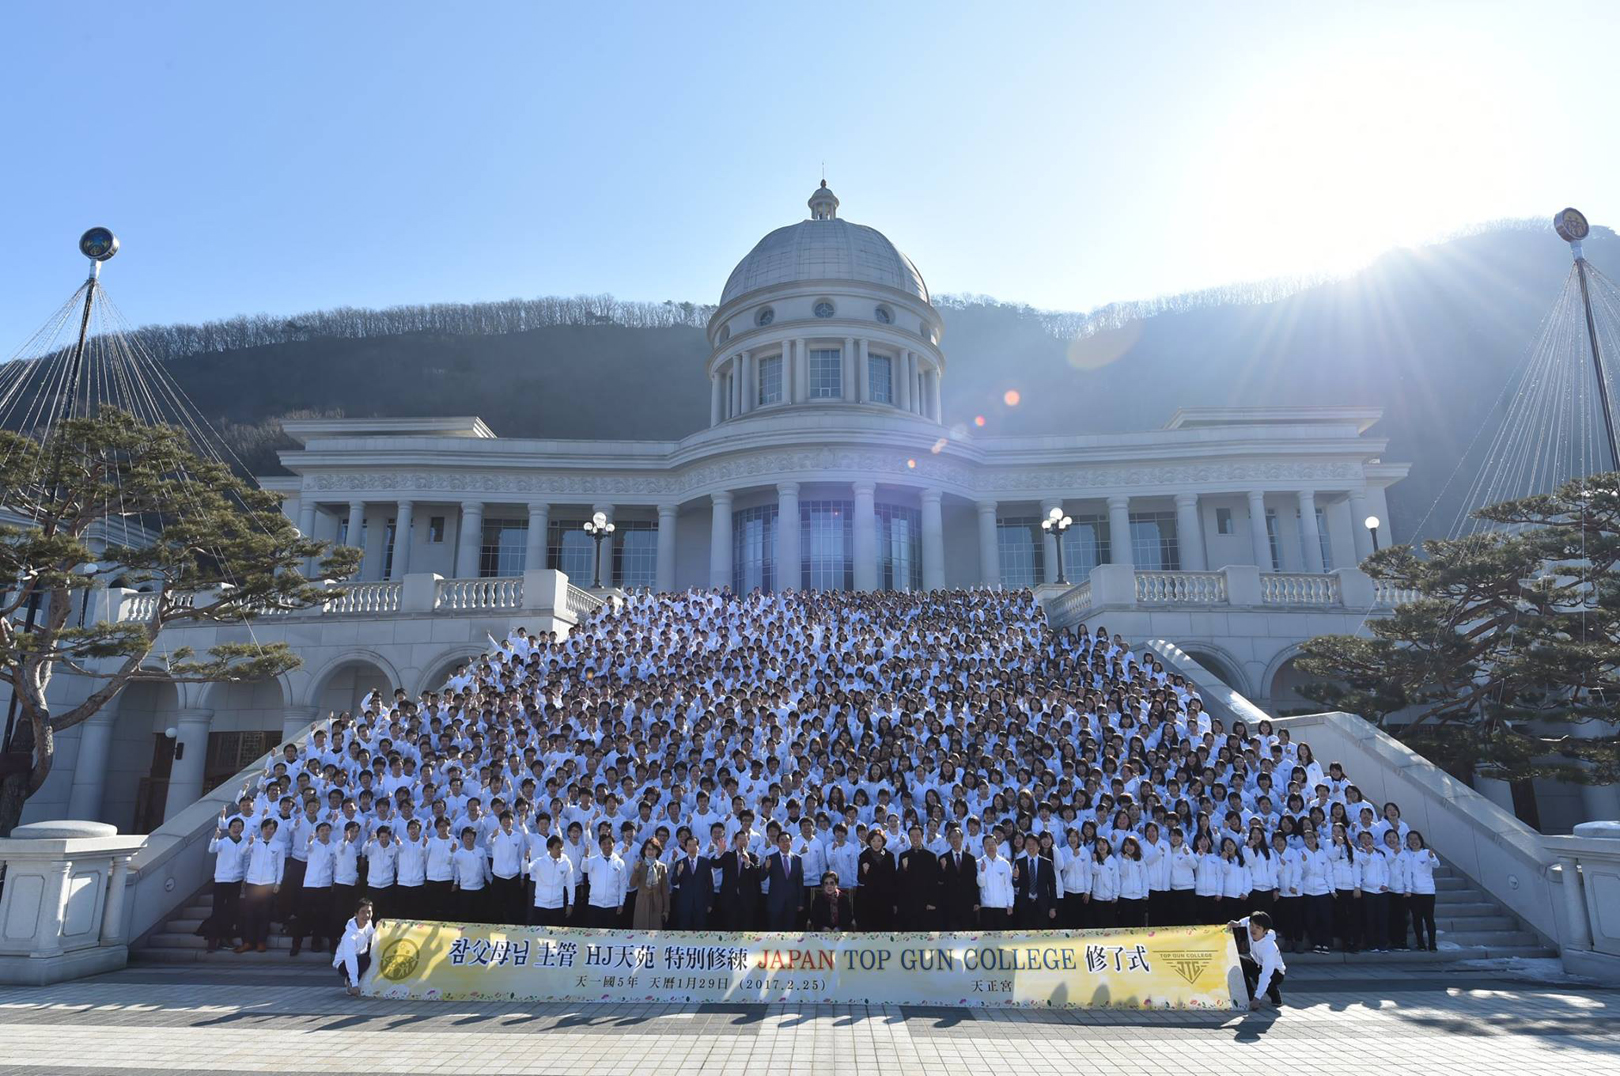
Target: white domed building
[[826, 463]]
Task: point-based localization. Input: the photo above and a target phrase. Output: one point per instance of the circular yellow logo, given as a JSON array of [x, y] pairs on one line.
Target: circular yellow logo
[[400, 959]]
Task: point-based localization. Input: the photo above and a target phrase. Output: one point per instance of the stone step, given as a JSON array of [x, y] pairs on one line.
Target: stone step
[[273, 958], [1490, 939], [1451, 885], [1467, 909], [1448, 923]]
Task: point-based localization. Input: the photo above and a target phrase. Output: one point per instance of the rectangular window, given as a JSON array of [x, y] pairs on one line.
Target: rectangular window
[[770, 380], [571, 551], [1085, 545], [880, 373], [435, 530], [1021, 550], [388, 551], [826, 373], [753, 549], [826, 545], [1272, 538], [343, 531], [899, 547], [504, 548], [1223, 521], [635, 553], [1153, 541]]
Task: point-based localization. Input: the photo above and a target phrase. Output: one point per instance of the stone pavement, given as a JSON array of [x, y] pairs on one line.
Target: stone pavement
[[1422, 1019]]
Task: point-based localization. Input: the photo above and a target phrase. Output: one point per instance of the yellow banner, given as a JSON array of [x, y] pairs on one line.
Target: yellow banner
[[1168, 968]]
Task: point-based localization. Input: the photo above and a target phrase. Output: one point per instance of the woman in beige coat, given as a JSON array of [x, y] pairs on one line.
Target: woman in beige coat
[[650, 880]]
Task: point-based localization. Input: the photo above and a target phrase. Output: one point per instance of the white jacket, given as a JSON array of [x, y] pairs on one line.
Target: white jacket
[[1420, 870], [356, 940]]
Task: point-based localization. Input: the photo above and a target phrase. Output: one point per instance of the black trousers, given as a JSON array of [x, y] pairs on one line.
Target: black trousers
[[361, 963], [992, 919], [1071, 911], [1347, 915], [1104, 913], [224, 921], [1319, 920], [257, 907], [1183, 907], [1251, 979], [469, 905], [506, 900], [1130, 912], [1158, 909], [1210, 911], [314, 920], [344, 899], [601, 918], [1397, 920], [292, 887], [1289, 913], [382, 901], [548, 917], [1376, 907], [1421, 905], [436, 900], [408, 901]]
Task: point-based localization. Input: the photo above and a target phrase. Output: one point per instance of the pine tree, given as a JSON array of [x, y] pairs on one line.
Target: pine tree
[[1508, 660], [223, 552]]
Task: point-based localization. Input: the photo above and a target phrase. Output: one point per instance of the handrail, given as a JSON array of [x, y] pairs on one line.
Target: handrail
[[1299, 588], [1195, 588], [582, 603], [366, 598], [464, 595]]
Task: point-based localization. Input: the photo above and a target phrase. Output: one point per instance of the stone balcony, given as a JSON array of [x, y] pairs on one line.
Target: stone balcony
[[1243, 624]]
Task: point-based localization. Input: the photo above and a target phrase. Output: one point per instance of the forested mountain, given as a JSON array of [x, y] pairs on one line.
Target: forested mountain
[[1432, 335]]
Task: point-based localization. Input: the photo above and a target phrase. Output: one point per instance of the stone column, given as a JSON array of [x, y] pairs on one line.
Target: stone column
[[1119, 531], [112, 914], [902, 380], [1190, 533], [720, 541], [90, 771], [605, 546], [863, 372], [1576, 921], [750, 393], [933, 541], [535, 542], [469, 539], [802, 368], [306, 527], [1360, 536], [1049, 543], [404, 523], [354, 535], [847, 356], [790, 376], [989, 550], [916, 384], [1309, 536], [665, 578], [1259, 540], [866, 540], [939, 409], [186, 776], [293, 720], [715, 400], [789, 555]]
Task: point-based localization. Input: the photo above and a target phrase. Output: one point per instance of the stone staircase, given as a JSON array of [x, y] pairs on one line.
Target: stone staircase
[[1473, 926]]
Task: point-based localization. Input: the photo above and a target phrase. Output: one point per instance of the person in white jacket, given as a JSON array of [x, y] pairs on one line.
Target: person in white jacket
[[1183, 879], [1316, 883], [1235, 880], [1289, 910], [1156, 854], [1074, 881], [352, 956], [1131, 910], [228, 848], [1263, 967], [1375, 890], [1395, 921], [1104, 885], [1420, 862]]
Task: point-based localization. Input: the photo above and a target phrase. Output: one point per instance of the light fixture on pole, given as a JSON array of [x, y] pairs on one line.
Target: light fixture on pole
[[1571, 226], [1371, 523], [598, 528], [1055, 524]]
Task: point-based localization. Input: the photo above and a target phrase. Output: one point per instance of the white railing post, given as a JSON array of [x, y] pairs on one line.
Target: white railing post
[[1356, 589], [1242, 584], [1113, 586], [544, 590]]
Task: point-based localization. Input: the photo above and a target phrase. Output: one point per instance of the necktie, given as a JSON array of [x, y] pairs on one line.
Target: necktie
[[959, 861]]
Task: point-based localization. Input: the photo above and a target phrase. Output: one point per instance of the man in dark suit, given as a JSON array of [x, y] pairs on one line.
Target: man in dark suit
[[1036, 886], [832, 908], [738, 899], [784, 902], [691, 889], [918, 885], [958, 886]]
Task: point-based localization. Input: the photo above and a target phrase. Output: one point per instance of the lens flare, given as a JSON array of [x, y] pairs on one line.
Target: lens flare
[[912, 464], [978, 420], [938, 446], [1011, 397]]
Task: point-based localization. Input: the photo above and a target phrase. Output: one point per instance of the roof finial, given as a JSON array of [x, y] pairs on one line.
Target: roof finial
[[823, 203]]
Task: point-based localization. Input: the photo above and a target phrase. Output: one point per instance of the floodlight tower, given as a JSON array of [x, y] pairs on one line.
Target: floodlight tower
[[1571, 226]]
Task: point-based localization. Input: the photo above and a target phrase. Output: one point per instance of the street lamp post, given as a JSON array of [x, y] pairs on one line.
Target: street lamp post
[[1056, 523], [598, 528], [1371, 523]]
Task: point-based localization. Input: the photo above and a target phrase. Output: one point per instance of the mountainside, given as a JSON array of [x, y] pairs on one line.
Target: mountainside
[[1431, 335]]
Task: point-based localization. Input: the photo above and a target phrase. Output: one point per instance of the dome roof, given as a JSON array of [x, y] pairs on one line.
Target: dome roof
[[826, 248]]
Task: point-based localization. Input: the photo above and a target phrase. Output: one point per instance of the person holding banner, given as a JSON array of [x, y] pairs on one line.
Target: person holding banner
[[352, 954], [1263, 968]]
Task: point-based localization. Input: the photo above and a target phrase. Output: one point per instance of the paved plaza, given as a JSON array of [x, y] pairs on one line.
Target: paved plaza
[[1344, 1019]]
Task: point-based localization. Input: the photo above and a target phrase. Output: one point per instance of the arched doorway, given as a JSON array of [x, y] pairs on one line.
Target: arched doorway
[[1224, 668], [136, 783], [340, 687], [441, 670], [1286, 683]]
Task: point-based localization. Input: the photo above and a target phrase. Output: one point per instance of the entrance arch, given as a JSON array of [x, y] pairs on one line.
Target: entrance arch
[[350, 677]]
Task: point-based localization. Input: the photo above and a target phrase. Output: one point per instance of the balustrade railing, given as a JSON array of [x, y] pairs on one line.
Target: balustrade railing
[[1299, 588], [465, 595], [1388, 594], [366, 598], [1182, 588], [582, 603], [1073, 602]]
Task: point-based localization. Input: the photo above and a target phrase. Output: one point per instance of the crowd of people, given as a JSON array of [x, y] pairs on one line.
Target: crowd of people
[[821, 761]]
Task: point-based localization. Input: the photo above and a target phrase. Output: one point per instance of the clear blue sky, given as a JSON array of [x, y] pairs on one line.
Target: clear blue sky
[[291, 156]]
